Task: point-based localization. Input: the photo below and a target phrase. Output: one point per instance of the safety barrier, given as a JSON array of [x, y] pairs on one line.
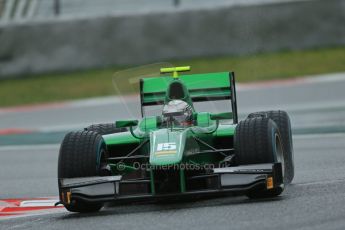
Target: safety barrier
[[66, 44]]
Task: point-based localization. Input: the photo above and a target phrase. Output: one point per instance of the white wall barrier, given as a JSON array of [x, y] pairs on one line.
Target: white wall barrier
[[66, 44]]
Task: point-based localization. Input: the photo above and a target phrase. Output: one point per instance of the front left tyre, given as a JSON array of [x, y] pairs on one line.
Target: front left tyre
[[282, 119], [257, 141], [82, 154]]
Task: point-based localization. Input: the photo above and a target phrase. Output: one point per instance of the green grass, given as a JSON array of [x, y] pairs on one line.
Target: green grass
[[58, 87]]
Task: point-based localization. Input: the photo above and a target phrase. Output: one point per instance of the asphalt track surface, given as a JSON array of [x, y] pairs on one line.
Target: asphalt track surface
[[315, 199]]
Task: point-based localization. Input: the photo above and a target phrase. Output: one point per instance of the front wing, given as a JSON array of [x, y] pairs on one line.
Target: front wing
[[231, 180]]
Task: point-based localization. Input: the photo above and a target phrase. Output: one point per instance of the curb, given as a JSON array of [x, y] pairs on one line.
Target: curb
[[12, 131], [24, 207]]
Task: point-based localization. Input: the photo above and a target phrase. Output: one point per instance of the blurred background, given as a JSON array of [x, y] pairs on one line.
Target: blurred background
[[82, 42]]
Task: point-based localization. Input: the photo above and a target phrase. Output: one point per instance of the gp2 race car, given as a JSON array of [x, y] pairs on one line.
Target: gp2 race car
[[179, 153]]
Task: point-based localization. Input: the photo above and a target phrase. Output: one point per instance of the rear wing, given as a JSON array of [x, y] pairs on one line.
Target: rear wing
[[201, 87]]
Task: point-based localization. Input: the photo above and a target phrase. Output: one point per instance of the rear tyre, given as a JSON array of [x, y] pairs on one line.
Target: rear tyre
[[257, 141], [104, 129], [81, 154], [282, 119]]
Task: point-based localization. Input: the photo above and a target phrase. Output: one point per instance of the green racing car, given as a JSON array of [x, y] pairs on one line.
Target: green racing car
[[179, 152]]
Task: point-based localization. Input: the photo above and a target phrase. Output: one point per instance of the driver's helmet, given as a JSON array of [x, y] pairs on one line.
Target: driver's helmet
[[179, 112]]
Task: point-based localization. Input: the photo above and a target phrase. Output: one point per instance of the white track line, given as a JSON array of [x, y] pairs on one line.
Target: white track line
[[39, 203]]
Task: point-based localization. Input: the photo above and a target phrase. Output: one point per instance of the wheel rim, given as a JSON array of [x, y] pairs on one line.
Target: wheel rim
[[101, 159], [280, 155]]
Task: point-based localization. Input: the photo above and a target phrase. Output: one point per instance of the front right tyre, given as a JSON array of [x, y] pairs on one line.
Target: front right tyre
[[82, 154]]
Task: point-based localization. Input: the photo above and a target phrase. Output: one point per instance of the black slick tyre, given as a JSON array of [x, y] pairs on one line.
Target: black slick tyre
[[257, 140], [81, 155], [282, 119]]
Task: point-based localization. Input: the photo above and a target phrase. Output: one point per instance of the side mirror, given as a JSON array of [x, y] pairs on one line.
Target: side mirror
[[126, 123], [221, 116]]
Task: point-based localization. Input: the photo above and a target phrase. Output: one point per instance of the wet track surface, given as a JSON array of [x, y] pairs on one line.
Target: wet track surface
[[315, 200]]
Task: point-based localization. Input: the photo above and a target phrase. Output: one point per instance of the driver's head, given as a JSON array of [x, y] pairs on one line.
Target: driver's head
[[179, 111]]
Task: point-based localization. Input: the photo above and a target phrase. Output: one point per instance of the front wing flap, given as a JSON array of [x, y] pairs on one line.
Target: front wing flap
[[231, 180]]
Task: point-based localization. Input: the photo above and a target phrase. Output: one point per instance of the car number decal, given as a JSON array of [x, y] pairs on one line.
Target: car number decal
[[166, 146], [164, 149]]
